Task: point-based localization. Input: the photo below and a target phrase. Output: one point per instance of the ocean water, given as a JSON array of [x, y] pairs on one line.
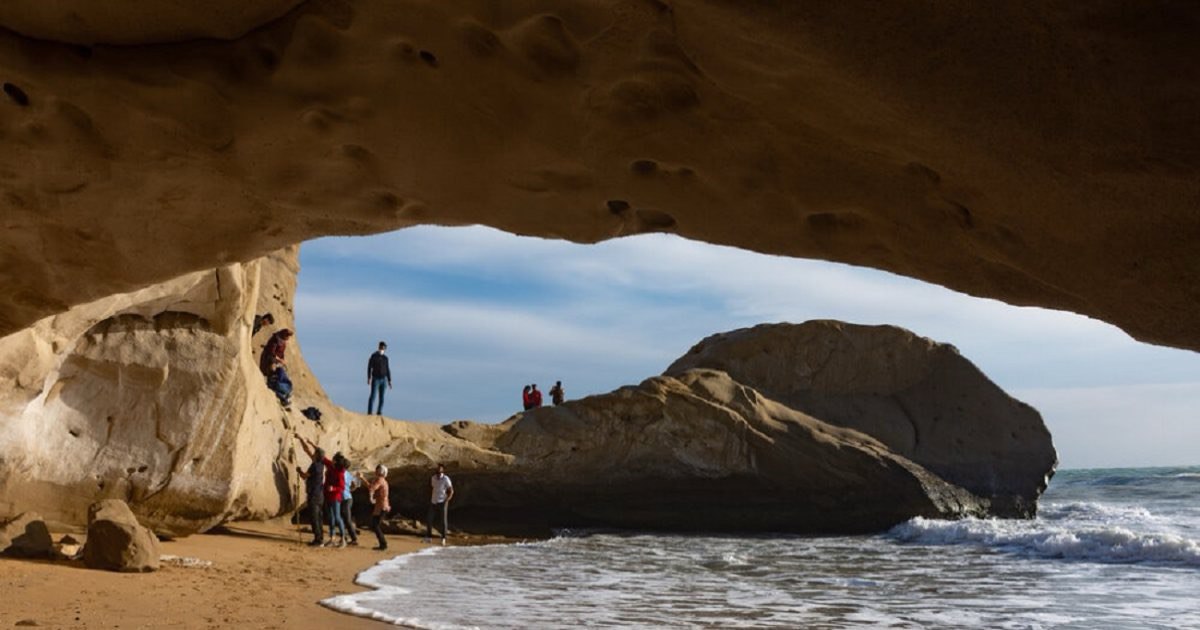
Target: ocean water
[[1117, 548]]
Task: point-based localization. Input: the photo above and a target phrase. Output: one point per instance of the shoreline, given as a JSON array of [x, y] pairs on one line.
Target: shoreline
[[261, 575]]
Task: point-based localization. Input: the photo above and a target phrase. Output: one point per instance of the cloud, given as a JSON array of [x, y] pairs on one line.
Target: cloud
[[1126, 425], [489, 311]]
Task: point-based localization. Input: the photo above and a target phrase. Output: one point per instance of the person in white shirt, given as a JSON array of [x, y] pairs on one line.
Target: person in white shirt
[[441, 491]]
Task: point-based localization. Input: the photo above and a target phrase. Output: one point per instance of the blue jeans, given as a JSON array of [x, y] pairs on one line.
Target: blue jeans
[[281, 385], [334, 510], [378, 386]]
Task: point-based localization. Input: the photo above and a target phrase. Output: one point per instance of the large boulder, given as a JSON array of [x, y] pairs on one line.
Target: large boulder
[[26, 536], [116, 541], [697, 452], [922, 399]]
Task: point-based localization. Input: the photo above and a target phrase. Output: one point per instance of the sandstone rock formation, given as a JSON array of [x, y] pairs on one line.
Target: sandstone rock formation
[[1040, 152], [921, 398], [116, 541], [26, 536], [144, 397], [697, 452], [154, 398]]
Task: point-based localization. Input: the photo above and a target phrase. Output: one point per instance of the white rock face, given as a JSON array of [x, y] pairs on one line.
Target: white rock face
[[144, 397], [155, 398]]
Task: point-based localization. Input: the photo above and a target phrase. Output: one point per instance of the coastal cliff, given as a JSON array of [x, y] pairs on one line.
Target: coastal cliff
[[155, 398]]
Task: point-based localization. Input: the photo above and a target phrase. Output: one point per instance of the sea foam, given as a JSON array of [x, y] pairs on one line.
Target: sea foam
[[376, 578], [1097, 544]]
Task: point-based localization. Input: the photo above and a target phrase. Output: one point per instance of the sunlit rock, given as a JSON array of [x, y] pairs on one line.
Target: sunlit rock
[[921, 398]]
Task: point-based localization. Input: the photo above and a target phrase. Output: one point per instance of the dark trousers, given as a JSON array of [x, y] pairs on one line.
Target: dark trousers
[[314, 518], [434, 510], [348, 518], [377, 525]]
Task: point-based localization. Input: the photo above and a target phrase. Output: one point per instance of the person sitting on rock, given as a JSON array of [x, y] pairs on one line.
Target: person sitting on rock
[[262, 320], [526, 403], [274, 352], [314, 482], [274, 367], [377, 489], [535, 397], [556, 393]]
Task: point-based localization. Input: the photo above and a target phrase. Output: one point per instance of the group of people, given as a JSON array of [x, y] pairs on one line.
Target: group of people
[[330, 484], [273, 365], [531, 397]]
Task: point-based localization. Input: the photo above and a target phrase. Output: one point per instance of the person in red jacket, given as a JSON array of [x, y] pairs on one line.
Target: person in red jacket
[[334, 486], [274, 368], [535, 397], [273, 352], [526, 402]]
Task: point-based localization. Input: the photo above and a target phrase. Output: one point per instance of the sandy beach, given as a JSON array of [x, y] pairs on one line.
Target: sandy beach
[[261, 576]]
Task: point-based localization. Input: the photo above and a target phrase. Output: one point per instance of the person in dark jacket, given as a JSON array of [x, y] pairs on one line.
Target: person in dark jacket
[[314, 481], [265, 319], [556, 393], [378, 375]]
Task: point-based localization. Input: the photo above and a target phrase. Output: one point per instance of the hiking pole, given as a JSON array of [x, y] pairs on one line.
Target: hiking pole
[[296, 494]]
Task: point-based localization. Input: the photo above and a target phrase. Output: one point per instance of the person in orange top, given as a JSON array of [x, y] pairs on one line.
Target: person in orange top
[[377, 489]]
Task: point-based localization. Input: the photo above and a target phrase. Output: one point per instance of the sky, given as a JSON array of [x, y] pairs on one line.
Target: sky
[[471, 315]]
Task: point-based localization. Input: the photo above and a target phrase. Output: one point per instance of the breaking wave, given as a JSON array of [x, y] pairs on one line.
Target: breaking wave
[[1114, 544]]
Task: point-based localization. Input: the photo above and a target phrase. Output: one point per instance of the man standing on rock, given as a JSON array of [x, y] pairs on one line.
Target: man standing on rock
[[557, 394], [378, 375], [535, 397], [441, 491], [314, 482]]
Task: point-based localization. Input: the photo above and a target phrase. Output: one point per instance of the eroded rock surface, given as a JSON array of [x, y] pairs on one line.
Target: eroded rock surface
[[921, 398], [154, 398], [697, 453], [1040, 152], [116, 541]]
